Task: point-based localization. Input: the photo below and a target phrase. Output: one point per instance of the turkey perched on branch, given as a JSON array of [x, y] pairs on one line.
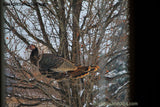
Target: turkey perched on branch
[[57, 67]]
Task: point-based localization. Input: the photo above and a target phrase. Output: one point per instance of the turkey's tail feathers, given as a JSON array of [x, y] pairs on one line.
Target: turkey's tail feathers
[[82, 71]]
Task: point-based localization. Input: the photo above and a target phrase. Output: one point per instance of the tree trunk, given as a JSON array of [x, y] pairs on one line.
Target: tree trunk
[[71, 96], [63, 48], [76, 8]]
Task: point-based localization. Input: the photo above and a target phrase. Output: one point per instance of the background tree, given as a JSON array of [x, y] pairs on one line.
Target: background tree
[[86, 32]]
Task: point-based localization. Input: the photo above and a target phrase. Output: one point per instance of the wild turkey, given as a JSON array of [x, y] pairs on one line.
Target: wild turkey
[[57, 67]]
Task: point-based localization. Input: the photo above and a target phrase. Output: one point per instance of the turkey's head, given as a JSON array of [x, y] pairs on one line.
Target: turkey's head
[[31, 47]]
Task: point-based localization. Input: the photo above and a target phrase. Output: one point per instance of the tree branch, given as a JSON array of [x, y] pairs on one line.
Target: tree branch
[[45, 36], [16, 33]]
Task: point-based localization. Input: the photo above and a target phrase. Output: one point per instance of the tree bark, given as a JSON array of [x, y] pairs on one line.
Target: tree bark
[[63, 48], [76, 8]]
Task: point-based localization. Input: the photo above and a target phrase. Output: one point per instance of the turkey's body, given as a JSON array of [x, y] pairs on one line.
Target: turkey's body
[[57, 64], [57, 67]]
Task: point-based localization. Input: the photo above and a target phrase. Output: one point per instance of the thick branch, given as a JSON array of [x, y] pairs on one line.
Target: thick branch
[[45, 36], [41, 22]]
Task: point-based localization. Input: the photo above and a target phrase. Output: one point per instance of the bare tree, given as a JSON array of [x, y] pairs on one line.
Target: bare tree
[[86, 32]]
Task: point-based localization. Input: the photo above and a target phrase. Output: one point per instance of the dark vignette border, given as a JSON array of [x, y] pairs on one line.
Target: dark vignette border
[[132, 50], [2, 77], [143, 77]]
